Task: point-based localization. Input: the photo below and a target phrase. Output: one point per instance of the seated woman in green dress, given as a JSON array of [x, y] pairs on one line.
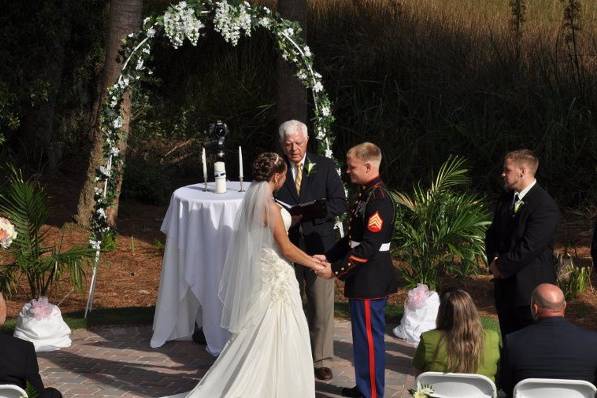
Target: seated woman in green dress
[[459, 344]]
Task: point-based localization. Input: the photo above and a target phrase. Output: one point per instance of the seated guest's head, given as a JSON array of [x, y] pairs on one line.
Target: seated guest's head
[[460, 323], [547, 301]]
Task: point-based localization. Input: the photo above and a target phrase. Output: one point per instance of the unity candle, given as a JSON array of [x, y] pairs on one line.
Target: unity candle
[[220, 174]]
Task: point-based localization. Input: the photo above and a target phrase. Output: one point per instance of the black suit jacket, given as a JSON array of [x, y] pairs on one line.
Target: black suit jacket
[[320, 180], [18, 363], [523, 242], [551, 348]]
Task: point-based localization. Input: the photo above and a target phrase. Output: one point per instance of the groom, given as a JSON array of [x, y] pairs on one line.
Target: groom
[[311, 177], [363, 260]]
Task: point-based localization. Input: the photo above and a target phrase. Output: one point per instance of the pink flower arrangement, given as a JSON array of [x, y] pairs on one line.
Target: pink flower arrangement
[[417, 297], [40, 308]]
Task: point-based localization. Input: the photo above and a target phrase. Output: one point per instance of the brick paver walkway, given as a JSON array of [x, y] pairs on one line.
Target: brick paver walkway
[[118, 362]]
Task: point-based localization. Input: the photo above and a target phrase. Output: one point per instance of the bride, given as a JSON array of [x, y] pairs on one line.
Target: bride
[[269, 353]]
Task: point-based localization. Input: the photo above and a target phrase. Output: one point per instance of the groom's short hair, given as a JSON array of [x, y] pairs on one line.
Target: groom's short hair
[[367, 152], [292, 126]]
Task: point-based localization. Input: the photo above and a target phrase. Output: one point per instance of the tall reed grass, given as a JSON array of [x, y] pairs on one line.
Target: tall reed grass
[[422, 78]]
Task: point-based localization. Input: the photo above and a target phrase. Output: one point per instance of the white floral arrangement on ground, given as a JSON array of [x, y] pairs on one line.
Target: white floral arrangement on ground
[[7, 233], [233, 19]]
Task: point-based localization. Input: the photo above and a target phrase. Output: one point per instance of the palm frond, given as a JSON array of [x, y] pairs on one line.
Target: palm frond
[[440, 229], [24, 204], [452, 173]]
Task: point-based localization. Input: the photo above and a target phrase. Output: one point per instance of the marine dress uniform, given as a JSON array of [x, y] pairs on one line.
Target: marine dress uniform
[[362, 260]]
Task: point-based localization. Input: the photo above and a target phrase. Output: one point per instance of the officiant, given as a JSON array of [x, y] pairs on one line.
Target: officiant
[[311, 177]]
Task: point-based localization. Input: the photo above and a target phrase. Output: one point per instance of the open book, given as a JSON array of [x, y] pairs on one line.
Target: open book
[[313, 209]]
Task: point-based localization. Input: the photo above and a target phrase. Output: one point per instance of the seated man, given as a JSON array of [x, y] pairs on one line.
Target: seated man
[[552, 347], [18, 362]]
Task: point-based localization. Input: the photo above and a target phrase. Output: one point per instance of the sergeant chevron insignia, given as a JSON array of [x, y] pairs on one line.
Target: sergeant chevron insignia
[[375, 222]]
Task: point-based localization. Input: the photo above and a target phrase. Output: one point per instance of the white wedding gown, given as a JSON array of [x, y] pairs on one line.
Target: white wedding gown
[[270, 358]]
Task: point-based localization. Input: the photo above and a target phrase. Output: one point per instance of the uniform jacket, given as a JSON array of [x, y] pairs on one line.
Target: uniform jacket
[[368, 272]]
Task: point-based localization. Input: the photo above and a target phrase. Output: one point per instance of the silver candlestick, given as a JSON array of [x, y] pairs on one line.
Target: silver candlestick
[[241, 185]]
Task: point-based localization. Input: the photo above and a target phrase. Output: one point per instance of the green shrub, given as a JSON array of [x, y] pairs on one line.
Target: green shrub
[[440, 229], [24, 203], [573, 278]]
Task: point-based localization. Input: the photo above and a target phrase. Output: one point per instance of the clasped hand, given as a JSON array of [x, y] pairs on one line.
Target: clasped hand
[[325, 268], [494, 269]]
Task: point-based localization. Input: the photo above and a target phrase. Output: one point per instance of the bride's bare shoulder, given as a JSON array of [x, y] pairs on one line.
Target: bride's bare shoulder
[[274, 209]]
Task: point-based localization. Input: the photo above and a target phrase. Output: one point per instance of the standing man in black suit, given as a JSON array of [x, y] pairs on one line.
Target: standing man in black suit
[[519, 243], [311, 177], [18, 362], [552, 347]]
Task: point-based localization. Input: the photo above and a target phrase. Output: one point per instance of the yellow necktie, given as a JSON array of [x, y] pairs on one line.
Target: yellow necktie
[[298, 178]]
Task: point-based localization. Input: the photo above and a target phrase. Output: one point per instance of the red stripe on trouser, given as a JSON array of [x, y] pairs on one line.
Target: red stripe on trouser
[[371, 347]]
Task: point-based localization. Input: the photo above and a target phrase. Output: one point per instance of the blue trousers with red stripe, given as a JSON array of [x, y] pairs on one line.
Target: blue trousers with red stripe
[[368, 329]]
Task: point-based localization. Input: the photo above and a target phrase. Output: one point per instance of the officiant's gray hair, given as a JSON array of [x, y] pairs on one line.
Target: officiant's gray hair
[[290, 127], [367, 152]]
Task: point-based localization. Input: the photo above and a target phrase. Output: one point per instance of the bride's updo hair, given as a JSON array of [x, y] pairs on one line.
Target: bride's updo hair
[[266, 165]]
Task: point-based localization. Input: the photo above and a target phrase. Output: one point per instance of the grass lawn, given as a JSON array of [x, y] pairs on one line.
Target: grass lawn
[[144, 316]]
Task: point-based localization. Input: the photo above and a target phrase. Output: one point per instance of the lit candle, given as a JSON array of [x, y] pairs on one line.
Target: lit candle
[[240, 163], [204, 164]]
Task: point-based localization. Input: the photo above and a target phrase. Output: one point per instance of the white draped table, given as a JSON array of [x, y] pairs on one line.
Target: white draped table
[[198, 226]]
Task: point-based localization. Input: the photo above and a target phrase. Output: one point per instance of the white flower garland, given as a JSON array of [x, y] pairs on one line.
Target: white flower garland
[[230, 21], [185, 20], [180, 22]]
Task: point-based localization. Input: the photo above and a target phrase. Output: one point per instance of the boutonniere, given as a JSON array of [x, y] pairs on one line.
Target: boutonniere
[[517, 205], [424, 391], [309, 168]]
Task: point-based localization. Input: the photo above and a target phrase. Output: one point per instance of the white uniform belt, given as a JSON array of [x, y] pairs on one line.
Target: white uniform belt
[[385, 247]]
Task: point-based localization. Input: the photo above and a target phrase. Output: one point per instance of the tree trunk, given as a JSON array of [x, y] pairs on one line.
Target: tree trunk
[[38, 122], [125, 18], [292, 96]]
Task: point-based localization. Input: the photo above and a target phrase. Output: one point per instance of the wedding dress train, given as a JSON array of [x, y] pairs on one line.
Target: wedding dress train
[[271, 356]]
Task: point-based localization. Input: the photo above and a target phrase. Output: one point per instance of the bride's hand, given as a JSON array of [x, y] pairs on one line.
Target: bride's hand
[[320, 258], [325, 268], [326, 272]]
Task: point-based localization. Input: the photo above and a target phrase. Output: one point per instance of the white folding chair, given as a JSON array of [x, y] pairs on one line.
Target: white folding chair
[[458, 385], [554, 388], [11, 391]]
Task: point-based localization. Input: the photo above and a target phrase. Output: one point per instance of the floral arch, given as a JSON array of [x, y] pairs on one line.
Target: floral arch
[[181, 21]]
